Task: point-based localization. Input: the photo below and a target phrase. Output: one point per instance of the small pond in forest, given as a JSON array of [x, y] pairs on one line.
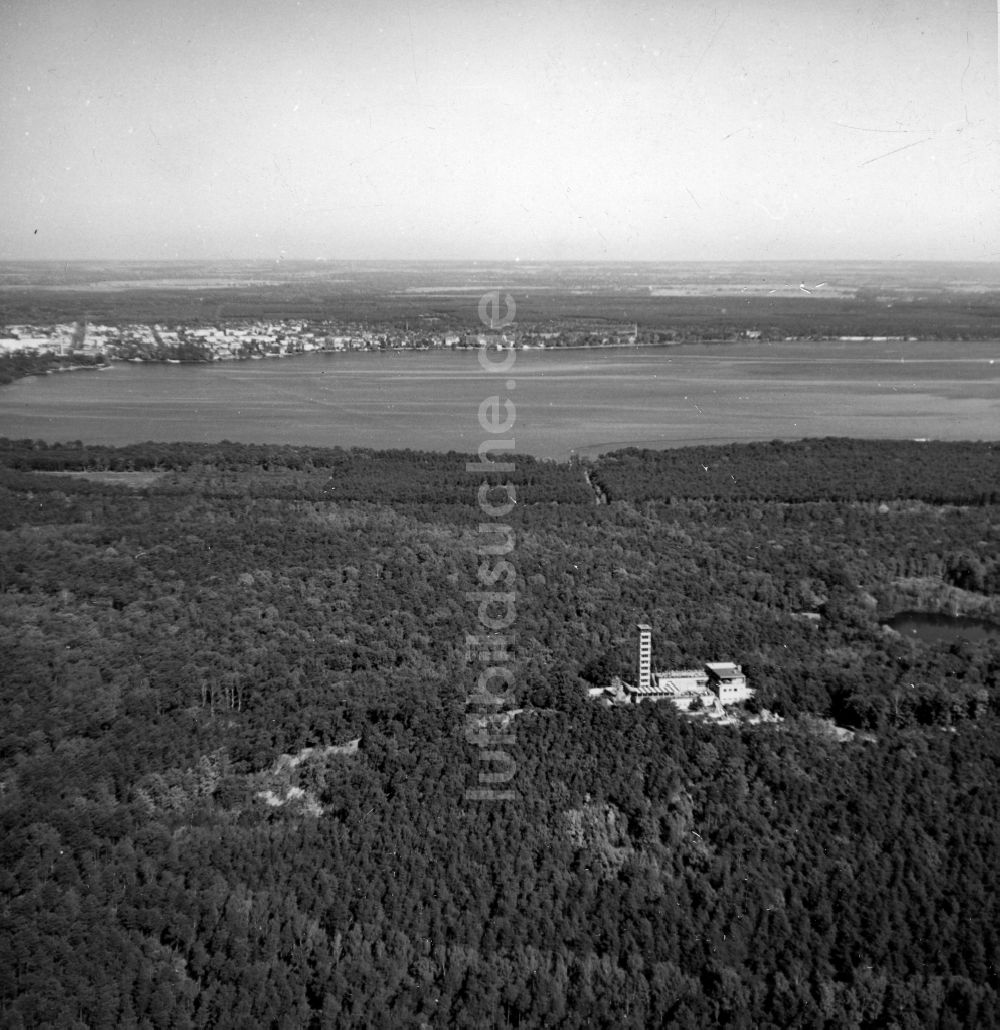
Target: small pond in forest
[[937, 627]]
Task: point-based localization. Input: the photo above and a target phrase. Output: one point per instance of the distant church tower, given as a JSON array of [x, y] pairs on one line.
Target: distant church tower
[[645, 657]]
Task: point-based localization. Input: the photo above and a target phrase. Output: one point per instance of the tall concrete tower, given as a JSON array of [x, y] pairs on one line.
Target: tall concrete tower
[[645, 657]]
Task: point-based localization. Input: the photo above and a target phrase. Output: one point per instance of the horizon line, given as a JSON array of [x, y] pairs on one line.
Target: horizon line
[[494, 261]]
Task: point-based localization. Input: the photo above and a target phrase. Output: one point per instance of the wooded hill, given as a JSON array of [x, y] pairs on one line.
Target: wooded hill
[[168, 637]]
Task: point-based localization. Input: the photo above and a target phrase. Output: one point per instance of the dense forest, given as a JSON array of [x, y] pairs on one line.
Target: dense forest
[[235, 746]]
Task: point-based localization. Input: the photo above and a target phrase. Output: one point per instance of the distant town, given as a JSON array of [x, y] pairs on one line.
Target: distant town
[[87, 344]]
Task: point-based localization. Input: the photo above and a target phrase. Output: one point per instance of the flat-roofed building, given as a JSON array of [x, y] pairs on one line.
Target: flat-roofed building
[[681, 686], [727, 682]]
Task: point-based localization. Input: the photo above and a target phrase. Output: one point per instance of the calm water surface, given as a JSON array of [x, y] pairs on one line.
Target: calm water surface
[[934, 628], [583, 401]]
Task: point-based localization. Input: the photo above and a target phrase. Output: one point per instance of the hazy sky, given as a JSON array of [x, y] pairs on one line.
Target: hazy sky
[[676, 130]]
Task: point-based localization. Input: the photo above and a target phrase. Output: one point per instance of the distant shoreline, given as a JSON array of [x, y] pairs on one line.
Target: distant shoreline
[[650, 345]]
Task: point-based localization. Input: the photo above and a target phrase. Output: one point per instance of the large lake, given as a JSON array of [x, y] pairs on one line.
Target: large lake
[[582, 401]]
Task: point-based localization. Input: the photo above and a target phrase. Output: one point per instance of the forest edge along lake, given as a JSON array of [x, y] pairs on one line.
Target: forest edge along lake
[[582, 401]]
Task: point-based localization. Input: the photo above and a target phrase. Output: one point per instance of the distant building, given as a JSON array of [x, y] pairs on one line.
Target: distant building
[[681, 686], [716, 685]]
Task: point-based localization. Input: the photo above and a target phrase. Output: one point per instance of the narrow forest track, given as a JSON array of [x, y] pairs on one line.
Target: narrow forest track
[[600, 497]]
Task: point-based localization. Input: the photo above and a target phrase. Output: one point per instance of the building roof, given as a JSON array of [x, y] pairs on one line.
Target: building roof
[[668, 688], [724, 670]]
